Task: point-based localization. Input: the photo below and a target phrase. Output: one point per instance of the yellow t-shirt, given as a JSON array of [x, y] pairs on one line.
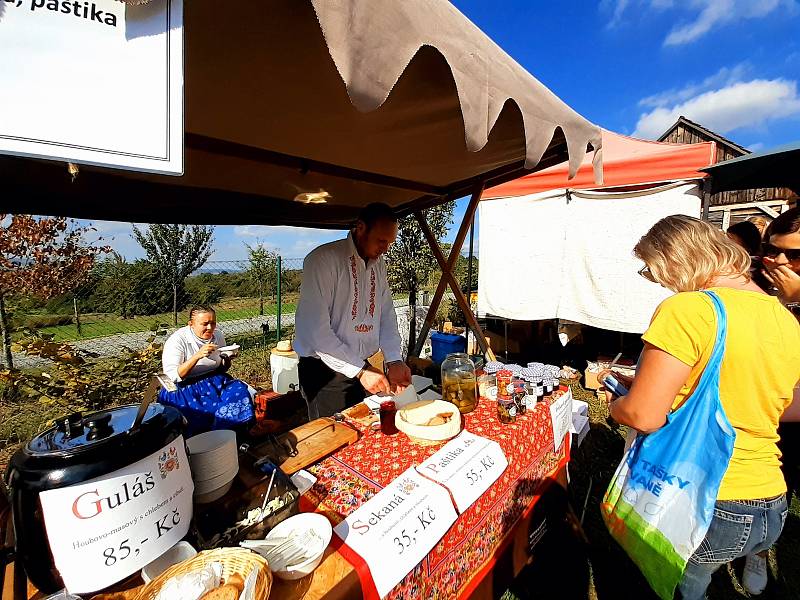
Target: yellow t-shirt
[[759, 370]]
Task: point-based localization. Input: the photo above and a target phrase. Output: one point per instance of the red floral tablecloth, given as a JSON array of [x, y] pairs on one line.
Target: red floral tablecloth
[[356, 473]]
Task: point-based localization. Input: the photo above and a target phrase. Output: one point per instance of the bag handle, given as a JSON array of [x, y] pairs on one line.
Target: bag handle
[[712, 369]]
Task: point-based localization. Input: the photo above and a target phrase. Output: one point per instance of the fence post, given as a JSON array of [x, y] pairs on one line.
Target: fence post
[[77, 315], [280, 301]]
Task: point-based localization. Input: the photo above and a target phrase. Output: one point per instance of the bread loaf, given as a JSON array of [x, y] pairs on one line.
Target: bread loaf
[[223, 592], [236, 581]]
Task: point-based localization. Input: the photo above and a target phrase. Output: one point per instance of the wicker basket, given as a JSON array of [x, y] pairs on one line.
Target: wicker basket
[[233, 560]]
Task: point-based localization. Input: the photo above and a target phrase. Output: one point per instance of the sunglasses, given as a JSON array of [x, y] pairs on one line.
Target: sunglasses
[[791, 254], [647, 274]]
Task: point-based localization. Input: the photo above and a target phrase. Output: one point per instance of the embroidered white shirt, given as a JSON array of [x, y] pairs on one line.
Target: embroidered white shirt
[[182, 345], [345, 313]]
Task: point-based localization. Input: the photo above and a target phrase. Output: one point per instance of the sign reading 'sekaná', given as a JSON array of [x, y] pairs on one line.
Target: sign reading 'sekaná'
[[93, 82]]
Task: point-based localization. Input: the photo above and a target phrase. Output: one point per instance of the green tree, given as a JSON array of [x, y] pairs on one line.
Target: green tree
[[176, 251], [43, 257], [263, 270], [410, 260], [118, 283]]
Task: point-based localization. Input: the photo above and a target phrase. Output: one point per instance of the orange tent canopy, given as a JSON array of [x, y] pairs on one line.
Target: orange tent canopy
[[626, 161]]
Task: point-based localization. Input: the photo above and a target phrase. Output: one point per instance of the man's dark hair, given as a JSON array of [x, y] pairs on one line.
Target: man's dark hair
[[788, 222], [748, 233], [377, 211]]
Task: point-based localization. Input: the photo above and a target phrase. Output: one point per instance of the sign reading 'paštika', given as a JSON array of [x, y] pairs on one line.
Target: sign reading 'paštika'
[[93, 82]]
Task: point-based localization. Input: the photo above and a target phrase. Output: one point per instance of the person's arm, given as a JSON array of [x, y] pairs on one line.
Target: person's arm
[[314, 316], [173, 361], [397, 371], [792, 412], [388, 335], [659, 378]]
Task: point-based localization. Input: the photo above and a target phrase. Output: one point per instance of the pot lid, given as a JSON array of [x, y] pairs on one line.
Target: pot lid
[[78, 433]]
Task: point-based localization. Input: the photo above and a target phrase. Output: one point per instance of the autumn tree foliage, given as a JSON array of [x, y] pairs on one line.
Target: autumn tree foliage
[[42, 257]]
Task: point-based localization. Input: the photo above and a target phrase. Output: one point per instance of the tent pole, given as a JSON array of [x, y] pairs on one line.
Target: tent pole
[[469, 263], [447, 276], [469, 274], [447, 268], [706, 198]]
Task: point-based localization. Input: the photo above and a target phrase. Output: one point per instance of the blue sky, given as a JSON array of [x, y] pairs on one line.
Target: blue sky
[[631, 66]]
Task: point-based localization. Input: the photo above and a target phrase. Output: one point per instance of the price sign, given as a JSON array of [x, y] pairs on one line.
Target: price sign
[[394, 530], [104, 530], [561, 415], [467, 465]]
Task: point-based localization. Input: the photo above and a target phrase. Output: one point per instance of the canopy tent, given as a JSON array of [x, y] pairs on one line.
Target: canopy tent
[[353, 101], [777, 167], [626, 161], [575, 238], [404, 102]]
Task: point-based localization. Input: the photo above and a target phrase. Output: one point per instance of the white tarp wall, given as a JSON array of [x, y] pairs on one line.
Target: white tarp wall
[[569, 255]]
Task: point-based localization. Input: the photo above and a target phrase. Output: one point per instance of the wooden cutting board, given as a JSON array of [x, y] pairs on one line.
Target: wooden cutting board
[[313, 441]]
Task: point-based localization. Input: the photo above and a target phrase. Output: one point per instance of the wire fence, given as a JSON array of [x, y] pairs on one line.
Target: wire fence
[[120, 308]]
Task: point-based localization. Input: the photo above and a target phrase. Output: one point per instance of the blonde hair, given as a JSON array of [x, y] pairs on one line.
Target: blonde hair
[[685, 254]]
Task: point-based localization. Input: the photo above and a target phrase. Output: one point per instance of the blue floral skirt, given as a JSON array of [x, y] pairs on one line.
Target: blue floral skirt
[[217, 401]]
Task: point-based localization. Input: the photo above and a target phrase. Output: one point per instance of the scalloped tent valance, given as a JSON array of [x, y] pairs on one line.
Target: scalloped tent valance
[[364, 100]]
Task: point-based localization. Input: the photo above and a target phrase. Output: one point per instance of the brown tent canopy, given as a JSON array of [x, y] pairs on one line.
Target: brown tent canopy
[[403, 102]]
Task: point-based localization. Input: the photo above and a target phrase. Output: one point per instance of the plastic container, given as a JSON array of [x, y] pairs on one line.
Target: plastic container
[[297, 526], [443, 344], [284, 371], [458, 382]]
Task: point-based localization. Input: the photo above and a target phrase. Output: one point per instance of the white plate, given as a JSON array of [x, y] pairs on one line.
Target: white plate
[[211, 440], [204, 486], [229, 350]]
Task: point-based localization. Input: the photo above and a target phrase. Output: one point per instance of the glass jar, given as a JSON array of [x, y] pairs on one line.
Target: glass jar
[[506, 410], [458, 382]]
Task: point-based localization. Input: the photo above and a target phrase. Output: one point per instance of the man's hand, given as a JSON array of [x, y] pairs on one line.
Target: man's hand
[[374, 381], [786, 280], [205, 350], [399, 376]]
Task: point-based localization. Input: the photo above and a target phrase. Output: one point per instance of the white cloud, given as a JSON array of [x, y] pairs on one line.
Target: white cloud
[[739, 105], [755, 147], [724, 77], [705, 14]]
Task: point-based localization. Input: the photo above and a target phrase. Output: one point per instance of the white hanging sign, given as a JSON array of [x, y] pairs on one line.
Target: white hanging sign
[[104, 530], [561, 415], [93, 82], [467, 465], [395, 529]]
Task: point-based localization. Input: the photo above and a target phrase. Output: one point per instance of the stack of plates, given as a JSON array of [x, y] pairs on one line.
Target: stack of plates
[[215, 462]]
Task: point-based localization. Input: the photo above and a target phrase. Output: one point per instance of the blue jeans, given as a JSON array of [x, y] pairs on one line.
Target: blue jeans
[[739, 528]]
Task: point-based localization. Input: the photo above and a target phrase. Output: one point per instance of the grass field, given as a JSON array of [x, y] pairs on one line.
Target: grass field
[[102, 324]]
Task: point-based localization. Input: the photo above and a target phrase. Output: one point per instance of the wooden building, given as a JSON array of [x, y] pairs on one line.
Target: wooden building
[[730, 207]]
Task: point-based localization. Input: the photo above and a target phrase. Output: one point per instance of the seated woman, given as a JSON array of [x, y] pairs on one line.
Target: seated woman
[[759, 371], [207, 396]]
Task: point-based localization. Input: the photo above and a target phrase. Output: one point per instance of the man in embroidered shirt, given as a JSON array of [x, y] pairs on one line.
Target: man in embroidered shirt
[[345, 315]]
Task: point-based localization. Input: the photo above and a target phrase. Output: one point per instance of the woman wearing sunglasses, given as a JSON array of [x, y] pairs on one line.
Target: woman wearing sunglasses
[[759, 370], [781, 252]]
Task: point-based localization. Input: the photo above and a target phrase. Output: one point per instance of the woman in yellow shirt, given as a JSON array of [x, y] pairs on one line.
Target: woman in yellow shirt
[[759, 371]]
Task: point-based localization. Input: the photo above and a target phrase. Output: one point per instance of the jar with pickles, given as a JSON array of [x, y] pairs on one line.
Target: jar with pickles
[[459, 385]]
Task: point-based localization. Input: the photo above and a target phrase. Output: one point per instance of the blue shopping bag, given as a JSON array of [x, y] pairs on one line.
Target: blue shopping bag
[[660, 501]]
